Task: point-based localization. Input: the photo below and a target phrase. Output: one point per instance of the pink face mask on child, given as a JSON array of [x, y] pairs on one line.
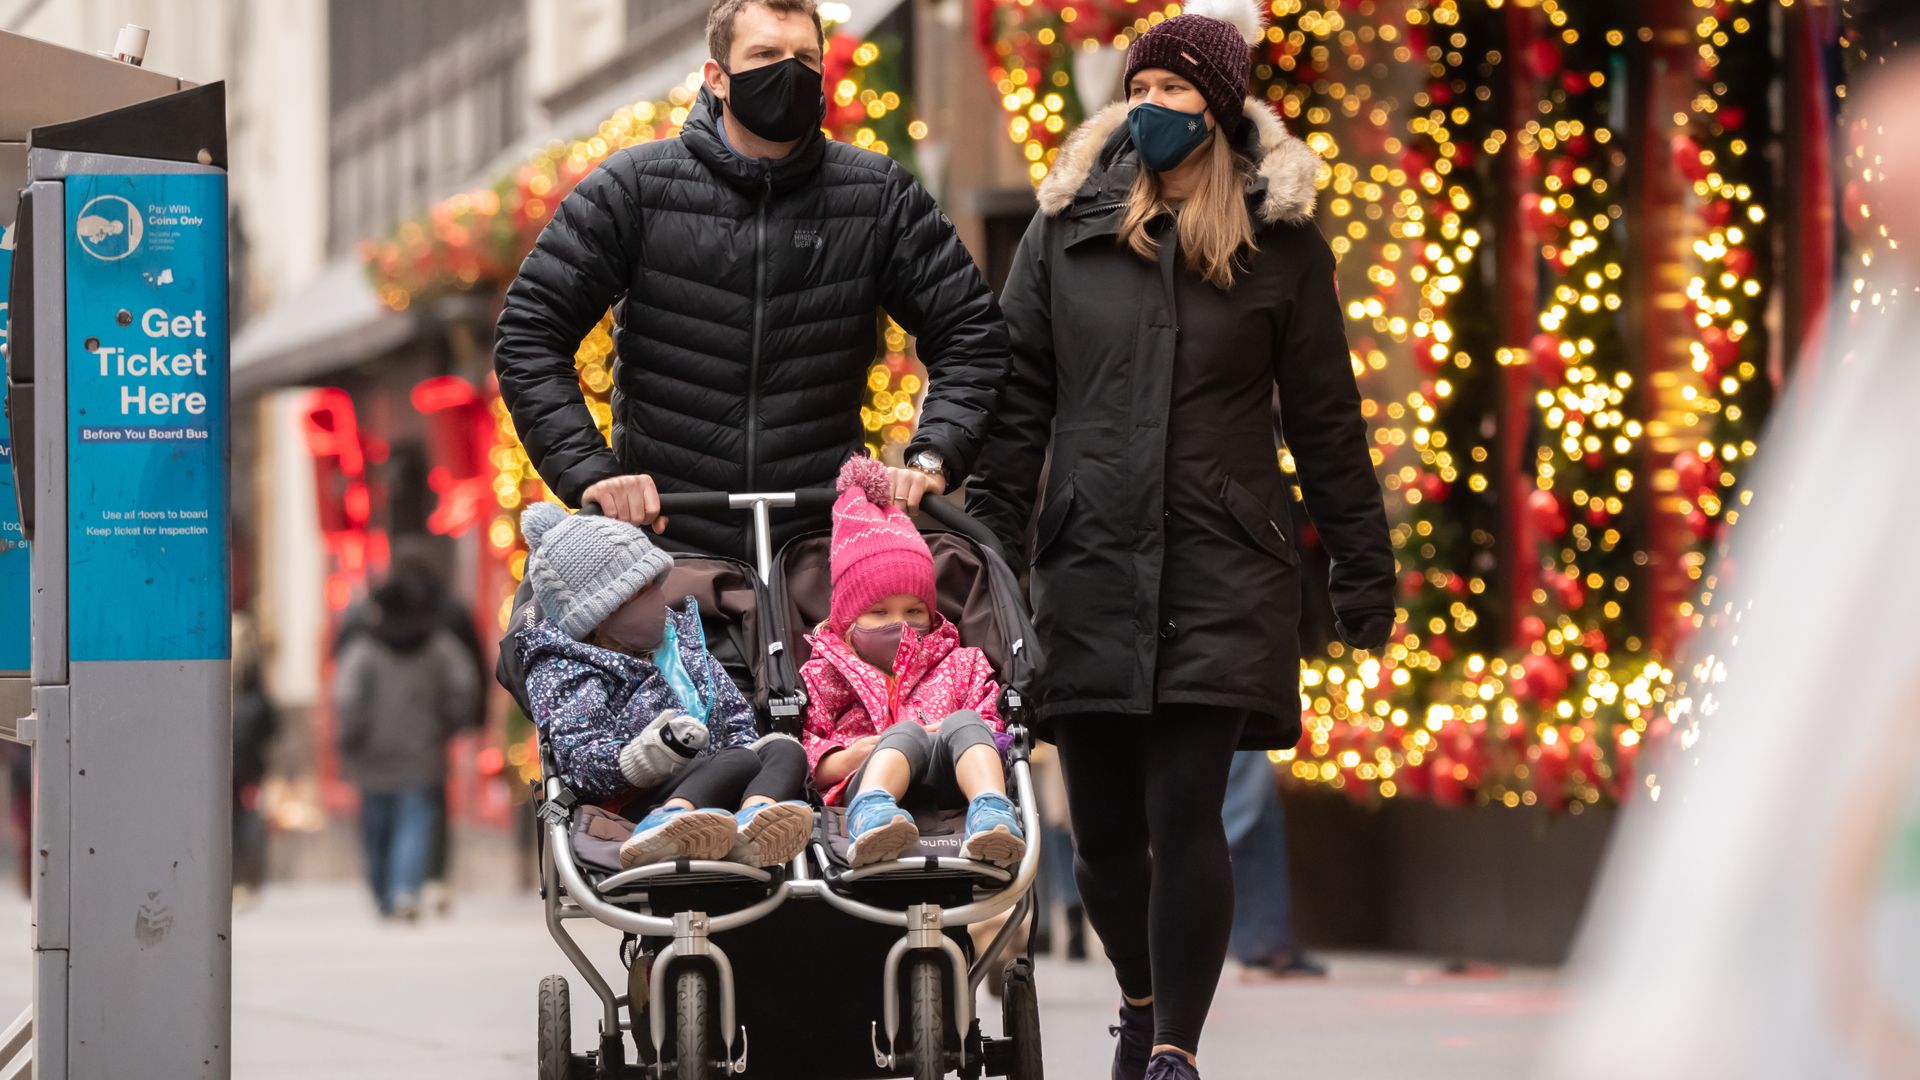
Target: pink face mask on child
[[878, 645]]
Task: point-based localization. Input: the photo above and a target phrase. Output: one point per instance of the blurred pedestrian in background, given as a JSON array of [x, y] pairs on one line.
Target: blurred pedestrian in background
[[400, 689], [1262, 939], [457, 618], [1057, 884], [254, 727]]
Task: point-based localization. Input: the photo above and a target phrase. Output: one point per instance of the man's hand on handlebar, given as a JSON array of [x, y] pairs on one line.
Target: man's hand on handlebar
[[912, 485], [632, 499]]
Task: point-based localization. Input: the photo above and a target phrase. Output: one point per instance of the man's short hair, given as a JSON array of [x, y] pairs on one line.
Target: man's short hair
[[720, 22]]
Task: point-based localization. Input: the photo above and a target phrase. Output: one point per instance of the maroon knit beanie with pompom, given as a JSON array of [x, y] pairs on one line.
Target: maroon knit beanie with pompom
[[1209, 43]]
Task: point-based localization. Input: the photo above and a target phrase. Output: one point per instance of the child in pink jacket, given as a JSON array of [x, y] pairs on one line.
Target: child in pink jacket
[[897, 707]]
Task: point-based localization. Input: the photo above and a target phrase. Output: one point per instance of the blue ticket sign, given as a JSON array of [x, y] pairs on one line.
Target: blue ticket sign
[[16, 642], [147, 417]]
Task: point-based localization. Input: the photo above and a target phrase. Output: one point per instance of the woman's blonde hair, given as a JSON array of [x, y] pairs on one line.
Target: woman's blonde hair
[[1216, 232]]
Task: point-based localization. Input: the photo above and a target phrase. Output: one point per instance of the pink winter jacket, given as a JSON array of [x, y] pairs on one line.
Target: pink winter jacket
[[848, 698]]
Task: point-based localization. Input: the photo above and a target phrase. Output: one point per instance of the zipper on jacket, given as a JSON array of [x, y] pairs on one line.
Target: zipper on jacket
[[759, 322]]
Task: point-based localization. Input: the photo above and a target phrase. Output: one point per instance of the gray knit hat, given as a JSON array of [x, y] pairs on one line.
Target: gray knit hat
[[583, 567]]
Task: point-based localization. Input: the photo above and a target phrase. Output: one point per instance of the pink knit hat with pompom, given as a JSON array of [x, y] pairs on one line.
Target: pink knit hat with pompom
[[876, 551]]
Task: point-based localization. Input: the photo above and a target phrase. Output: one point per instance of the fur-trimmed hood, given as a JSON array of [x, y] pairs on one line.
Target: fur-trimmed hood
[[1283, 180]]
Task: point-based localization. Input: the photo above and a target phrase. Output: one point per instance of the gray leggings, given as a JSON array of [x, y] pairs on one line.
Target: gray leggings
[[931, 758]]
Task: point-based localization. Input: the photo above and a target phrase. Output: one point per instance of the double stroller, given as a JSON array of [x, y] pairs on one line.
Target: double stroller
[[811, 969]]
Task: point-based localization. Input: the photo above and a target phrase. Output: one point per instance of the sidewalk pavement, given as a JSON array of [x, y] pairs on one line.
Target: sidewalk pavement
[[322, 990]]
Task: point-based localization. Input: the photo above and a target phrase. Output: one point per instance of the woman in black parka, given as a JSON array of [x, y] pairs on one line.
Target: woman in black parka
[[1170, 284]]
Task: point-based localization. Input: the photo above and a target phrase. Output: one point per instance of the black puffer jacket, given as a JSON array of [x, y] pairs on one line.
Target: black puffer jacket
[[748, 296], [1164, 568]]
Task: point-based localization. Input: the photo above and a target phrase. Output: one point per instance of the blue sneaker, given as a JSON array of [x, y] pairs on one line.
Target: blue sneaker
[[770, 834], [675, 833], [879, 829], [993, 831]]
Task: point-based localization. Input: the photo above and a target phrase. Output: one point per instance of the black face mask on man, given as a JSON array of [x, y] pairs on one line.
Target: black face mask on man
[[779, 102]]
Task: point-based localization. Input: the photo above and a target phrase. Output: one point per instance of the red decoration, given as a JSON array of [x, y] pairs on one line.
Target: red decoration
[[1544, 350], [1548, 517], [1686, 158], [1552, 771], [1447, 788], [1569, 590], [1690, 470], [1543, 58]]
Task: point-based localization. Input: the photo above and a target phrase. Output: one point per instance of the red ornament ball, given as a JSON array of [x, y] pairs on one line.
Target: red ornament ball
[[1544, 351], [1543, 58], [1686, 158], [1546, 513]]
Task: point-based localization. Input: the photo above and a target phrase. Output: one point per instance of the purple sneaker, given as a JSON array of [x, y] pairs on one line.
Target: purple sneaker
[[1171, 1065], [1135, 1031]]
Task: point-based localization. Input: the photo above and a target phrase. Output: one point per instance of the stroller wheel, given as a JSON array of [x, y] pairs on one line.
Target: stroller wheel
[[1020, 1013], [556, 1030], [927, 985], [693, 1050]]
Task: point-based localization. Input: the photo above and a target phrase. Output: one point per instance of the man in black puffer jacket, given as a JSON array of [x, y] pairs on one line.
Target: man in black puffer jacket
[[749, 258]]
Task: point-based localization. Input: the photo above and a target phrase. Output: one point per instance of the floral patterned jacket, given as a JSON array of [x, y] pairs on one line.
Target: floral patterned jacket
[[589, 702], [848, 698]]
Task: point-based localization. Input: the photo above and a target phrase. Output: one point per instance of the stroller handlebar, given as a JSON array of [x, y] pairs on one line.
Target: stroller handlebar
[[811, 500]]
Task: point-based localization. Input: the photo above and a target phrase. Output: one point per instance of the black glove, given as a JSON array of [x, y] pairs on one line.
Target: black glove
[[1370, 630]]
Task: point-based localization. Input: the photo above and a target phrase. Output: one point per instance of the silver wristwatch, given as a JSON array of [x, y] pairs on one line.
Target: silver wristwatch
[[929, 462]]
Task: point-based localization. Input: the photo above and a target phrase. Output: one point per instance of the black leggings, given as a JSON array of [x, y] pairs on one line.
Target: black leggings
[[1150, 852], [776, 768]]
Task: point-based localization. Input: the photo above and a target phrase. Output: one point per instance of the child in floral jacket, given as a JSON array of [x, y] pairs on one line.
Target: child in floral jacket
[[897, 707], [636, 710]]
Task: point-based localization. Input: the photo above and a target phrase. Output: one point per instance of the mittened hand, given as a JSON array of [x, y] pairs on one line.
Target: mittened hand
[[681, 733], [662, 749], [1371, 631]]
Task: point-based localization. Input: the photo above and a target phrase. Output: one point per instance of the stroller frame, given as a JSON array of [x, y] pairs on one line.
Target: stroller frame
[[568, 895]]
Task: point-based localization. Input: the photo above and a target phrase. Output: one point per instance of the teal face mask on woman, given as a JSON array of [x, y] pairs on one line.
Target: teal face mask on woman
[[1165, 137]]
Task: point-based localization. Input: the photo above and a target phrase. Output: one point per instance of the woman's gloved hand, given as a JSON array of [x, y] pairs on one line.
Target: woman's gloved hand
[[1369, 630], [662, 749]]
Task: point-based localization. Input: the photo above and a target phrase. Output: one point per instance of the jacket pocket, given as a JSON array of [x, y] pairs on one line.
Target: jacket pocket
[[1053, 517], [1260, 524]]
